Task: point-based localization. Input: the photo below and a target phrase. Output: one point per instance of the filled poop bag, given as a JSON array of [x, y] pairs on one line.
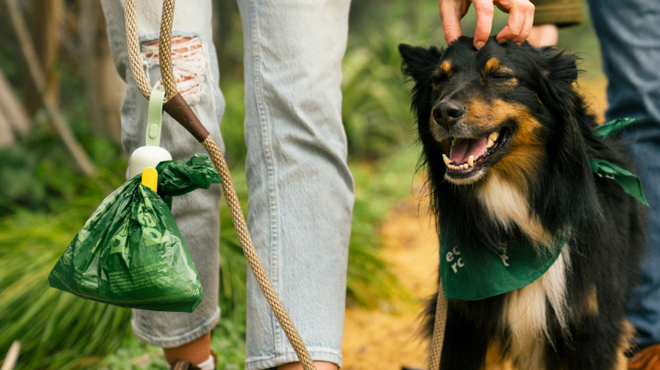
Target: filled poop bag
[[130, 252]]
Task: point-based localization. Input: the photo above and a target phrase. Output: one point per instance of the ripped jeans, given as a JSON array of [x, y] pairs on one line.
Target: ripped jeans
[[301, 190]]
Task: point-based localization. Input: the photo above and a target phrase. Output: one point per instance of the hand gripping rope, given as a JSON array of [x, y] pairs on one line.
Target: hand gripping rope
[[177, 107]]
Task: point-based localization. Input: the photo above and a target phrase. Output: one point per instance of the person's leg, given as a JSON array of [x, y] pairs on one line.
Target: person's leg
[[644, 306], [195, 352], [185, 336], [301, 191], [629, 32]]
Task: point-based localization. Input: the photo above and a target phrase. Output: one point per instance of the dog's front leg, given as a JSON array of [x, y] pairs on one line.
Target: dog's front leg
[[464, 345], [599, 344]]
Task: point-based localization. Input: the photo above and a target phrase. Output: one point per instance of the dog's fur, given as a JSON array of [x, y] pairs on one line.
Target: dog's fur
[[535, 183]]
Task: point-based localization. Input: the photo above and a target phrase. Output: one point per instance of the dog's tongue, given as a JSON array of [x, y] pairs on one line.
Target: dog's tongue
[[462, 149]]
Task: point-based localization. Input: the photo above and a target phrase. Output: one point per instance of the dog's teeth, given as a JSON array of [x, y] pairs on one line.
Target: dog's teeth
[[490, 143], [471, 160], [493, 136], [444, 158]]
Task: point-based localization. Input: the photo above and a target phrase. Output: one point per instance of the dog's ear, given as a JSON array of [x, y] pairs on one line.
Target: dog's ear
[[418, 62], [558, 65], [556, 73], [418, 65]]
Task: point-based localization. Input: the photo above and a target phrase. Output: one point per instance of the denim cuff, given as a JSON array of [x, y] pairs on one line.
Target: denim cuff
[[177, 340], [274, 360]]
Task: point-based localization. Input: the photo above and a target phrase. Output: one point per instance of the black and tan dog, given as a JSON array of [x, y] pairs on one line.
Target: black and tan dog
[[506, 143]]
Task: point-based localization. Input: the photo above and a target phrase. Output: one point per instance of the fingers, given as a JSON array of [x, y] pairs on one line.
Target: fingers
[[527, 26], [451, 12], [485, 10], [520, 22], [543, 35], [518, 28]]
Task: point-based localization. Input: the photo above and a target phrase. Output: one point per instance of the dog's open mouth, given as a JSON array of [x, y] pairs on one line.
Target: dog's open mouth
[[468, 155]]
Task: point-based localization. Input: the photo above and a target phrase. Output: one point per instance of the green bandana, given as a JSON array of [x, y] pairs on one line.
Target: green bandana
[[628, 181], [612, 127], [472, 273]]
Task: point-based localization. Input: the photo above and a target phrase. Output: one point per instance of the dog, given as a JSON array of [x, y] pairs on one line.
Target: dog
[[506, 145]]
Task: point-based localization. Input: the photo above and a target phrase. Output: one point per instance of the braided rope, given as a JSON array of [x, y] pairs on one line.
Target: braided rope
[[165, 49], [252, 257], [133, 43], [438, 329], [165, 60]]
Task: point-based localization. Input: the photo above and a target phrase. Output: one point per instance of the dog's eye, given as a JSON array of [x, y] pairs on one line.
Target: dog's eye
[[437, 80], [500, 77]]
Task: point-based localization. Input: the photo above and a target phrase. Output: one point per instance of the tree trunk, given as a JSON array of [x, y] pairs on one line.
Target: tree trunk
[[13, 119], [46, 20], [7, 136], [38, 78], [105, 89]]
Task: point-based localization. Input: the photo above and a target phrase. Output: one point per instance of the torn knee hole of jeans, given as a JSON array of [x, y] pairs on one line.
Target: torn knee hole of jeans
[[190, 61]]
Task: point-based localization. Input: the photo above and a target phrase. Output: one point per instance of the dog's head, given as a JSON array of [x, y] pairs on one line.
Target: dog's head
[[492, 110]]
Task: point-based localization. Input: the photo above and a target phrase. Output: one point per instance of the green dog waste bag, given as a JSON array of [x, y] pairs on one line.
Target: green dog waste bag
[[130, 252]]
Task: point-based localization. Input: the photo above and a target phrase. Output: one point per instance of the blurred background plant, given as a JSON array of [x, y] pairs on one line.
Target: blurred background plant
[[44, 197]]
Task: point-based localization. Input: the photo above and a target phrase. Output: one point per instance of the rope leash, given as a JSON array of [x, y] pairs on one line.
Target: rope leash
[[438, 329], [177, 107]]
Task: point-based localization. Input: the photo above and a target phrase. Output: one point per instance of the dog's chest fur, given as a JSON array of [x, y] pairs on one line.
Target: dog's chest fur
[[525, 315], [525, 311]]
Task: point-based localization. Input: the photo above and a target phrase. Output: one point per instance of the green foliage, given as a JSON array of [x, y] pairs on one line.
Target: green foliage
[[232, 122], [581, 39], [61, 331], [377, 189], [37, 171], [233, 265], [57, 330]]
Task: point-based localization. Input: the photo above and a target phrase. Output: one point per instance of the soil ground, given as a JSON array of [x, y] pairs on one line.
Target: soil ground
[[388, 338]]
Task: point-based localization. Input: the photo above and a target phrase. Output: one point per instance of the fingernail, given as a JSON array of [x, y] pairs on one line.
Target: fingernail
[[480, 44], [502, 40]]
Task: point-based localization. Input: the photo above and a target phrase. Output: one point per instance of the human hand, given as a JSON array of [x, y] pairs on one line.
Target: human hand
[[518, 28], [543, 35]]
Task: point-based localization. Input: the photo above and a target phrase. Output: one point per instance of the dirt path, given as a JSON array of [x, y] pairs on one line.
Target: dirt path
[[388, 339]]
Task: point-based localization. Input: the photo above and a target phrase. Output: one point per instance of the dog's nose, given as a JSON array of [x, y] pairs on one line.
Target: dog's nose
[[446, 113]]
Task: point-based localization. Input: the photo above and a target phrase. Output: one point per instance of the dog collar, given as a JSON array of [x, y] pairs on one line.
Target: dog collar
[[472, 273], [602, 168]]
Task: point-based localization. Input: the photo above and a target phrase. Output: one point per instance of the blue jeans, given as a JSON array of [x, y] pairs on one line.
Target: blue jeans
[[301, 190], [629, 33]]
